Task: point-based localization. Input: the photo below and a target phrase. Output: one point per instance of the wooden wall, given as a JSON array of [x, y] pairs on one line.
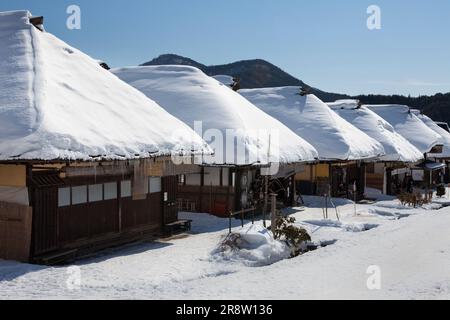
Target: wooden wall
[[209, 199], [13, 175], [59, 226], [15, 232]]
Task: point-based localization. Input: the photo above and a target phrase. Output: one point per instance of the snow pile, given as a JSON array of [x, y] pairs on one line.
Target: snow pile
[[346, 227], [412, 252], [58, 103], [396, 147], [408, 125], [376, 194], [192, 96], [333, 137], [253, 245], [444, 135]]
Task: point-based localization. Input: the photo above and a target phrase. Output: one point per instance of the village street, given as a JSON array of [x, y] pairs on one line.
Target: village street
[[384, 251]]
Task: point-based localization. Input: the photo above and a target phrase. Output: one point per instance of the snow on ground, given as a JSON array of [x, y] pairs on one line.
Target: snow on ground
[[411, 247]]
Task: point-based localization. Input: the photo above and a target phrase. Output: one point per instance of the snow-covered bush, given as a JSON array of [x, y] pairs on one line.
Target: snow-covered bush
[[295, 237], [440, 191], [253, 245], [414, 200]]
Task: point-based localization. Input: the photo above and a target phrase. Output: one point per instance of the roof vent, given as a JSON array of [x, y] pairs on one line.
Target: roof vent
[[38, 22], [236, 85], [359, 104], [104, 65], [304, 91]]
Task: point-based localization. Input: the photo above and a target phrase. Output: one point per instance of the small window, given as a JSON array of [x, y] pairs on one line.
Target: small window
[[233, 179], [125, 189], [193, 179], [95, 193], [225, 177], [63, 197], [211, 177], [110, 191], [79, 195], [155, 184]]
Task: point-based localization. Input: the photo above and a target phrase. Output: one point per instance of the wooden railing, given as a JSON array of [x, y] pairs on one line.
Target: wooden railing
[[241, 214]]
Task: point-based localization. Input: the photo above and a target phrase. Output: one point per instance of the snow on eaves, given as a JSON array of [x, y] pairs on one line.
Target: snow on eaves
[[333, 137], [192, 96], [57, 103], [444, 135], [408, 125], [396, 147]]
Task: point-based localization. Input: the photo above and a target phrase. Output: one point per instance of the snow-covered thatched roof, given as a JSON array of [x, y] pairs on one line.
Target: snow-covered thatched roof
[[408, 125], [58, 103], [396, 147], [444, 135], [333, 137], [192, 96], [226, 80]]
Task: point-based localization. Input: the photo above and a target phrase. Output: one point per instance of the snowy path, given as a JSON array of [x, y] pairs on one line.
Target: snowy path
[[413, 254]]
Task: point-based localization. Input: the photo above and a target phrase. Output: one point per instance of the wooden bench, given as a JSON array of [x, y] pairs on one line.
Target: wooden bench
[[182, 225], [186, 205]]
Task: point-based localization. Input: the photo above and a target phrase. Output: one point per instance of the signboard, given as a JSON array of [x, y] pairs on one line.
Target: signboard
[[418, 175], [400, 171]]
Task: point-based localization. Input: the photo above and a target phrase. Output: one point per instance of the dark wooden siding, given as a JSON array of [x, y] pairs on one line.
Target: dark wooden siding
[[215, 200], [45, 219], [84, 221], [138, 213], [84, 226]]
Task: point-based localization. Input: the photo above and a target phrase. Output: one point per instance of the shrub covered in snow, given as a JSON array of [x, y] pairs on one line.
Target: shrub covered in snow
[[253, 245], [295, 237], [441, 191], [414, 199]]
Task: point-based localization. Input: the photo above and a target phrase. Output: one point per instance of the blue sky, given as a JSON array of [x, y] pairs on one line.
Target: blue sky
[[326, 43]]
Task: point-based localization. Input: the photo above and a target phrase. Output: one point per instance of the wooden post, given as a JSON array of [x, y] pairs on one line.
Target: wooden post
[[253, 216], [229, 222], [273, 210], [266, 195], [294, 192]]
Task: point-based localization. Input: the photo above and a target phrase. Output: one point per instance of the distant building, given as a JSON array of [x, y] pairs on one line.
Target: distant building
[[233, 178], [343, 149], [389, 174], [428, 142]]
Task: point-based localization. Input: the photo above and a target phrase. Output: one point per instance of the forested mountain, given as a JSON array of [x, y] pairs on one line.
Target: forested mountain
[[259, 73]]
